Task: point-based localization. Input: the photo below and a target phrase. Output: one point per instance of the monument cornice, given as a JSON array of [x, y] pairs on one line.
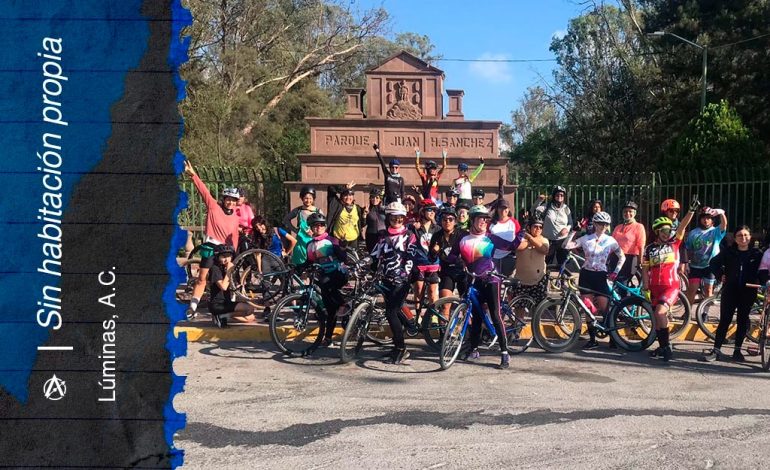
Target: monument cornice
[[428, 124]]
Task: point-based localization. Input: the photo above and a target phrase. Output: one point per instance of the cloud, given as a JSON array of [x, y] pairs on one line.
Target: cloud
[[497, 72], [558, 34]]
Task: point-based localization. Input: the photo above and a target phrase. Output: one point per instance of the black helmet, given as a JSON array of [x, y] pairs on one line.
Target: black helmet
[[431, 165], [537, 219], [452, 192], [478, 192], [631, 205], [448, 210], [316, 218], [306, 190], [375, 192], [558, 189], [224, 250]]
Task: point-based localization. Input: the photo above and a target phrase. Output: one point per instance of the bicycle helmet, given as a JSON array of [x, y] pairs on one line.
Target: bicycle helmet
[[451, 192], [705, 211], [224, 250], [427, 204], [395, 208], [602, 217], [448, 210], [430, 165], [478, 211], [660, 222], [394, 162], [347, 191], [535, 220], [462, 205], [631, 205], [376, 192], [231, 192], [462, 167], [307, 190], [478, 192], [558, 189], [669, 204], [316, 218]]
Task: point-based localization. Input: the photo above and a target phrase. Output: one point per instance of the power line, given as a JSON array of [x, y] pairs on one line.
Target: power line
[[741, 42], [495, 60]]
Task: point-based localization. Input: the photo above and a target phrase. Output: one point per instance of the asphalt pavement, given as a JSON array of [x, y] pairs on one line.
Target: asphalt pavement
[[249, 407]]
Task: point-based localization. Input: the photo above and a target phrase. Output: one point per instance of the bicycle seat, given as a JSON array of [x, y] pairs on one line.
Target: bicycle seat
[[510, 282]]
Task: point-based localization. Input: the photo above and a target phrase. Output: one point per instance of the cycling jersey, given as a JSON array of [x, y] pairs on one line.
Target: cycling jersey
[[631, 238], [597, 250], [445, 247], [421, 252], [703, 244], [394, 183], [394, 251], [220, 227], [325, 250], [477, 250], [463, 183], [663, 262]]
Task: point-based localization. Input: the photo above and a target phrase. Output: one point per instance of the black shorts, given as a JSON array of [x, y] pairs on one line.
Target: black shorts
[[429, 277], [701, 273], [452, 281], [207, 255], [222, 306], [596, 281]]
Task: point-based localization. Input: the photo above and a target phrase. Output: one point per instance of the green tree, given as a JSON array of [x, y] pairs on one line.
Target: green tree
[[715, 139]]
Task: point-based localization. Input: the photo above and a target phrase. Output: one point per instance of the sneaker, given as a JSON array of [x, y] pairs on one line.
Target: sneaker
[[505, 361], [738, 356], [219, 321], [657, 352], [668, 353], [401, 356], [411, 329], [326, 342], [710, 356], [472, 355], [191, 314], [591, 344]]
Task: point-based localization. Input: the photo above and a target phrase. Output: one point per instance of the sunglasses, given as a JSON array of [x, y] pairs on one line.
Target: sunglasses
[[448, 219], [429, 209], [318, 225], [675, 211], [665, 230]]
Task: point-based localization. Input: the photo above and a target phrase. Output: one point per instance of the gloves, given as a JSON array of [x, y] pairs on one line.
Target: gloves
[[612, 276], [716, 212], [481, 160], [647, 295], [694, 205]]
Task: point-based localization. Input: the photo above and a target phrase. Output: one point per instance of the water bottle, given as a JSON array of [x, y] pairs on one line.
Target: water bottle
[[407, 313], [591, 307]]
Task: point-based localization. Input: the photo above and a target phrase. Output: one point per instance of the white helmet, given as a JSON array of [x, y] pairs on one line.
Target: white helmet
[[395, 208], [231, 192], [602, 218]]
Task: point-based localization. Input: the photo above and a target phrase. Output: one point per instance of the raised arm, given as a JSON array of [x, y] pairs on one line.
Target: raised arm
[[687, 219], [208, 199], [476, 172], [385, 169], [443, 162], [417, 164]]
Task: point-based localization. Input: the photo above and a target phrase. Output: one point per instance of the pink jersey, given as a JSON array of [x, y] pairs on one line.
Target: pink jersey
[[221, 227]]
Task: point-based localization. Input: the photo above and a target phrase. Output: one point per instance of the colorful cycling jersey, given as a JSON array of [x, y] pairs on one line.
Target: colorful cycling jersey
[[325, 250], [765, 263], [477, 250], [703, 245], [597, 251], [663, 262], [430, 187], [422, 249], [394, 252]]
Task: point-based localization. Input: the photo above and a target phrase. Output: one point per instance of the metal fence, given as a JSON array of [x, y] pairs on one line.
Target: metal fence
[[744, 193], [265, 191]]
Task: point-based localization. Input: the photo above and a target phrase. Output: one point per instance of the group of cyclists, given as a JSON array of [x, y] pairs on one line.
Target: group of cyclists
[[428, 245]]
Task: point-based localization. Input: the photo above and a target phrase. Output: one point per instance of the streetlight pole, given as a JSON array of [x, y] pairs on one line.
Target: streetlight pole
[[704, 68]]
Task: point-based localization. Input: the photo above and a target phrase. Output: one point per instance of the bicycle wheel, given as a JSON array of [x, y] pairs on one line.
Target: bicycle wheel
[[434, 320], [517, 315], [632, 324], [764, 341], [555, 327], [754, 332], [254, 287], [297, 324], [707, 315], [379, 328], [355, 332], [454, 335]]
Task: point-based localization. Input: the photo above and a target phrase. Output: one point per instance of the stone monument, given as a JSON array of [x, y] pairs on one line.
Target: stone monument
[[403, 110]]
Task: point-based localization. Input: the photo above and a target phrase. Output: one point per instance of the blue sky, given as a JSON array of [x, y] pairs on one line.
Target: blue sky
[[513, 29]]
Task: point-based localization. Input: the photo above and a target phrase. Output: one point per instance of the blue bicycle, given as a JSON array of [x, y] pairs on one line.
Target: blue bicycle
[[460, 319]]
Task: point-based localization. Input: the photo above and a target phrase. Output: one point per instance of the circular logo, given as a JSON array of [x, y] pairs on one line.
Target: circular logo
[[54, 388]]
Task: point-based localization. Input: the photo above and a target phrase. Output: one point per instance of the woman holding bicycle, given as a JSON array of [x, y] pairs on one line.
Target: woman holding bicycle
[[738, 265], [476, 250], [597, 248], [325, 251], [660, 276], [302, 229], [451, 275], [222, 302], [393, 255], [221, 228], [267, 237]]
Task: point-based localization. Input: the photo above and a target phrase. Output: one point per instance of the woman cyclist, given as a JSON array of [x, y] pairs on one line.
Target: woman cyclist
[[702, 245], [557, 222], [222, 304], [425, 269], [463, 181], [393, 255], [660, 277], [476, 251], [300, 214], [463, 221], [221, 228], [245, 213], [530, 263], [451, 275], [430, 176], [504, 226], [670, 208], [632, 238], [266, 237], [325, 251], [375, 219], [597, 248]]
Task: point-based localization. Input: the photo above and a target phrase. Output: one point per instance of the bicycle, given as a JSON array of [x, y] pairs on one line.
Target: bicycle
[[764, 333], [457, 325], [708, 313], [557, 323]]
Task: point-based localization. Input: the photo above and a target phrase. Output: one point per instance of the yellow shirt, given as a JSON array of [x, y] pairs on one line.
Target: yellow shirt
[[346, 227]]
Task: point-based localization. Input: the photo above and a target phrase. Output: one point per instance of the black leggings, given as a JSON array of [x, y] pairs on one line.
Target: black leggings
[[556, 251], [489, 293], [395, 294], [741, 298], [330, 293]]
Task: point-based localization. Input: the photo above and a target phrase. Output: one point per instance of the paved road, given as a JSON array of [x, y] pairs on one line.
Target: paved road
[[248, 407]]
